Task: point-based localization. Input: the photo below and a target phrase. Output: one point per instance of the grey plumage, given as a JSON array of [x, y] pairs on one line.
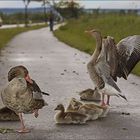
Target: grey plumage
[[123, 57], [111, 60], [103, 65], [19, 98], [129, 51]]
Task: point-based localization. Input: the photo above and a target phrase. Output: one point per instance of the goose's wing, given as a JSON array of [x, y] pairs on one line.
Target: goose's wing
[[103, 68], [112, 57], [35, 88], [128, 55]]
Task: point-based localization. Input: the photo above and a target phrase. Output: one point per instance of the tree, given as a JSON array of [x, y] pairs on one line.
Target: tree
[[26, 3], [73, 8], [45, 2], [68, 8]]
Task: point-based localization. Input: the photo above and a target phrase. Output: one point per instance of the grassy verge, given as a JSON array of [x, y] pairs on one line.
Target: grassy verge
[[7, 34], [118, 26]]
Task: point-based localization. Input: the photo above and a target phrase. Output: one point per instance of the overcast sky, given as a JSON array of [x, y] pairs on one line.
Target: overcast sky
[[125, 4]]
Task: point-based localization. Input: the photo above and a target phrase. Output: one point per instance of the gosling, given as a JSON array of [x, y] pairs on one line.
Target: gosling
[[93, 111], [90, 95], [69, 117]]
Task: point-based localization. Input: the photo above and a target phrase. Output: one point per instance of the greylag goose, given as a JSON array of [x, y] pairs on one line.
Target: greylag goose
[[122, 57], [92, 110], [90, 95], [70, 117], [100, 70], [18, 95]]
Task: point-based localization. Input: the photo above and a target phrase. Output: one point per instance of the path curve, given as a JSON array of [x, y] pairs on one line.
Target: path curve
[[61, 71]]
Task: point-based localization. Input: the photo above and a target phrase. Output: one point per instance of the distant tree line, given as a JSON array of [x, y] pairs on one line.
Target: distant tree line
[[118, 11], [18, 18], [68, 9]]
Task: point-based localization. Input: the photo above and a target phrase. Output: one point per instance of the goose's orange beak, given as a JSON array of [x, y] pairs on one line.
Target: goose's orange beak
[[27, 78]]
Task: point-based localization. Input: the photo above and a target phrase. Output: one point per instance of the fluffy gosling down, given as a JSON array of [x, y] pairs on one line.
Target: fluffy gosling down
[[69, 117], [90, 95], [93, 111]]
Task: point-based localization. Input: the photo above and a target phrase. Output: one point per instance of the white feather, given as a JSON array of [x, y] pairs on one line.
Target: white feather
[[109, 90]]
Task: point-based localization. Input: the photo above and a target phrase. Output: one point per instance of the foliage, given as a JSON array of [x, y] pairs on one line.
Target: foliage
[[116, 25], [18, 18], [68, 9]]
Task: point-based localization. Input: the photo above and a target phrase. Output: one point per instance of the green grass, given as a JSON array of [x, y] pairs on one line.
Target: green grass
[[118, 26], [7, 34]]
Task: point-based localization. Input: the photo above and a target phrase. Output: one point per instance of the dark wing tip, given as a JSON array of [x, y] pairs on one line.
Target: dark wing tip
[[123, 97], [44, 93]]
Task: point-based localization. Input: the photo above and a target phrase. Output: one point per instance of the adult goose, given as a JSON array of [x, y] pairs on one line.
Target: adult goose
[[122, 57], [18, 95], [100, 70]]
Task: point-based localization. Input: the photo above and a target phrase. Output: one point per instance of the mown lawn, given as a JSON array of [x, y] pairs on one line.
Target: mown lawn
[[7, 34], [118, 26]]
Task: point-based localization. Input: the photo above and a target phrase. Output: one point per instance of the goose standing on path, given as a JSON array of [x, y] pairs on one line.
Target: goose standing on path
[[18, 95], [99, 69], [122, 57]]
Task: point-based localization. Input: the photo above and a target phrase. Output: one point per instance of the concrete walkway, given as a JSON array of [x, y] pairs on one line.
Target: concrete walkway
[[61, 71], [18, 25]]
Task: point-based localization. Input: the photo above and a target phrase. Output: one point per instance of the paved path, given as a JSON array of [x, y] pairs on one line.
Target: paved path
[[18, 25], [61, 71]]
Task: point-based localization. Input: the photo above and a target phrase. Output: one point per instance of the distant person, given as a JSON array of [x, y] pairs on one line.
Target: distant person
[[51, 21]]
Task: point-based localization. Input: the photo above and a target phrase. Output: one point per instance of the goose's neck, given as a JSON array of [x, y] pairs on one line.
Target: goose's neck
[[63, 109], [98, 48], [61, 114]]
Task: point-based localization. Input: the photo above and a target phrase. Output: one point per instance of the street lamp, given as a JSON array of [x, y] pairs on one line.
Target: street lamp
[[26, 3]]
